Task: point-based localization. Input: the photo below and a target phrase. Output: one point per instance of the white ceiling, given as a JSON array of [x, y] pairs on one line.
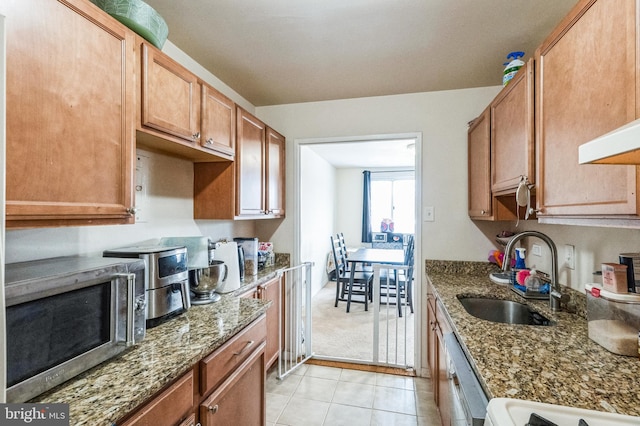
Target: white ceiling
[[289, 51], [368, 154]]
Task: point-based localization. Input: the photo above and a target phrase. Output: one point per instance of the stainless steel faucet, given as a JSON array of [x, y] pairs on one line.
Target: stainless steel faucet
[[555, 294]]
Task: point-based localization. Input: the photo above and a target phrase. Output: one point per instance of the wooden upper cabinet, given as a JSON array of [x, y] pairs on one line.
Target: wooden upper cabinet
[[170, 96], [69, 116], [218, 121], [586, 86], [252, 186], [275, 164], [479, 167], [179, 114], [250, 167], [512, 140], [260, 169]]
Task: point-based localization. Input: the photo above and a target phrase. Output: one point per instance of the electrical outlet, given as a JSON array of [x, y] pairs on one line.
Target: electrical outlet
[[536, 250], [428, 215], [570, 256]]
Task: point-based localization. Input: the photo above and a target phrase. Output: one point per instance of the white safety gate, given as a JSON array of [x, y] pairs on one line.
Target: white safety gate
[[294, 318], [392, 333]]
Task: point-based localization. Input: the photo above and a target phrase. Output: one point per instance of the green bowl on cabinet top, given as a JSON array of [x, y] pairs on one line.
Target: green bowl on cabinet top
[[138, 16]]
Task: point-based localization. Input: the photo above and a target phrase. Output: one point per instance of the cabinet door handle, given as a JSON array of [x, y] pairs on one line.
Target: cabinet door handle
[[196, 136], [213, 409], [483, 212], [210, 141], [247, 346]]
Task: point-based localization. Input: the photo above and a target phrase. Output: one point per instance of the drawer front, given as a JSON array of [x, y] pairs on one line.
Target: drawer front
[[239, 400], [222, 362], [169, 407]]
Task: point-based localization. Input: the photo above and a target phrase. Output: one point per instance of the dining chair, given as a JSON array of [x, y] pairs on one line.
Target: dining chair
[[362, 281], [398, 284], [345, 252]]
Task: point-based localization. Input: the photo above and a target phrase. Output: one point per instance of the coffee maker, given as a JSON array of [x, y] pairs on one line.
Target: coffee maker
[[166, 279]]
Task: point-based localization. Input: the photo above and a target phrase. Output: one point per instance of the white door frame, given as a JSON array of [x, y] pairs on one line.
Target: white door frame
[[420, 277]]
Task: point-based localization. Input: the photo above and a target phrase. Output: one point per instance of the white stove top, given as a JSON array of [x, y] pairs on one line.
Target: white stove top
[[516, 412]]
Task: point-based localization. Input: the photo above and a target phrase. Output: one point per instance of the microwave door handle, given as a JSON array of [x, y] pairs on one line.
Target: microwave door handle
[[131, 288]]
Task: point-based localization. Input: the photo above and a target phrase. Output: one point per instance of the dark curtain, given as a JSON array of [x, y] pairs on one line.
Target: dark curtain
[[366, 208]]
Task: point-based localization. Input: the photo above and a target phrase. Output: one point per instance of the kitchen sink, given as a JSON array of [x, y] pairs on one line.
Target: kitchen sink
[[504, 311]]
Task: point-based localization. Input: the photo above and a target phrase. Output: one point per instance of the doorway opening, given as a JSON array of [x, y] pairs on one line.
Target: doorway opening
[[329, 201]]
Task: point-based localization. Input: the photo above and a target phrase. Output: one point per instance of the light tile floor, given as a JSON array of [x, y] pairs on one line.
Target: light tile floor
[[328, 396]]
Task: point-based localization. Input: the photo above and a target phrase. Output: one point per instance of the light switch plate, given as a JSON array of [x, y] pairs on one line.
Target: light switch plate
[[429, 215], [536, 250], [570, 256]]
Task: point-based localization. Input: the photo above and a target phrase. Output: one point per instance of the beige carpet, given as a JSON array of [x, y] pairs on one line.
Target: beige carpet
[[339, 334]]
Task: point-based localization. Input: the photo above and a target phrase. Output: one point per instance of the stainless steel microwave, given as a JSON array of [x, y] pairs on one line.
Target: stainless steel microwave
[[65, 315]]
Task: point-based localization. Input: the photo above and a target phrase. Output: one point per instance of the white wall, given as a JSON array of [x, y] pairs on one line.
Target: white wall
[[349, 209], [170, 213], [318, 205], [442, 118]]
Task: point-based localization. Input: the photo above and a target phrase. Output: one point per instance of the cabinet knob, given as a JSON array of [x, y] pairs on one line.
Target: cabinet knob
[[213, 409], [483, 212], [196, 136], [132, 210], [210, 141]]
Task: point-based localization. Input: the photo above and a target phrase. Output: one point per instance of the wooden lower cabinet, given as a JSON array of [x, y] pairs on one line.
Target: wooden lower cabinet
[[171, 407], [271, 290], [444, 391], [189, 421], [438, 366], [432, 345], [227, 387], [240, 399]]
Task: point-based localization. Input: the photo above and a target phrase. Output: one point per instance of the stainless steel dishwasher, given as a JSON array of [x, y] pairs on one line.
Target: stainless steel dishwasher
[[468, 400]]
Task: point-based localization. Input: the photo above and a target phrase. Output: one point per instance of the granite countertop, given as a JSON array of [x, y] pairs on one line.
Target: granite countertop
[[107, 392], [556, 364]]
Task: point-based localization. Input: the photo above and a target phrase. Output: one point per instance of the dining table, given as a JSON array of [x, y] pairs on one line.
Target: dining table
[[371, 256]]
